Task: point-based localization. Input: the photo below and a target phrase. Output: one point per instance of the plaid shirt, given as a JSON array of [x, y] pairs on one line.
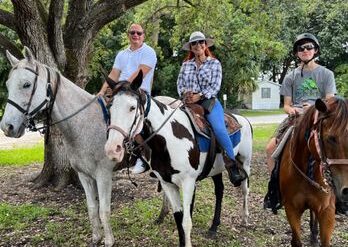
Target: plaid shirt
[[206, 79]]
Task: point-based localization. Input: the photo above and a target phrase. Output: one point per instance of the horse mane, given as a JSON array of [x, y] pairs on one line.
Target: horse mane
[[338, 109], [337, 114]]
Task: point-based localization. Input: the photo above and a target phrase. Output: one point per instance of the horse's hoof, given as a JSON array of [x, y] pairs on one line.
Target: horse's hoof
[[158, 221], [211, 234]]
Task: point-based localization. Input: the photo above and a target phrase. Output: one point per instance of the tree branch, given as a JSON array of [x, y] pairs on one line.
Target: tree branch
[[6, 44], [42, 11], [55, 32], [7, 19], [105, 11], [76, 12]]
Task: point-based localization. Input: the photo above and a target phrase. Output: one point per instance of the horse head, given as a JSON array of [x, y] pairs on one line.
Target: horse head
[[331, 145], [27, 94], [126, 117]]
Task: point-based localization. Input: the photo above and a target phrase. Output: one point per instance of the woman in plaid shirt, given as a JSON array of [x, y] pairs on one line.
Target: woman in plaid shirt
[[199, 82]]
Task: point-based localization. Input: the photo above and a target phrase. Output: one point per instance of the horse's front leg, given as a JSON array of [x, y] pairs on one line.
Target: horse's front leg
[[294, 218], [104, 183], [188, 190], [219, 192], [165, 208], [90, 187], [313, 224], [326, 218]]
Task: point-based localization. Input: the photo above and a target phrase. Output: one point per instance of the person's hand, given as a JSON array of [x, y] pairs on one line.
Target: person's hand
[[187, 97], [195, 97], [306, 106], [294, 111], [100, 93]]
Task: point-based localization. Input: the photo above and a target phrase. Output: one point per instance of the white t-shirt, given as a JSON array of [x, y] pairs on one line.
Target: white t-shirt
[[128, 61]]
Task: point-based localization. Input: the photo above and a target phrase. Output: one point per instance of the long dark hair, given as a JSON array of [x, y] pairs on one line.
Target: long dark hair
[[191, 55]]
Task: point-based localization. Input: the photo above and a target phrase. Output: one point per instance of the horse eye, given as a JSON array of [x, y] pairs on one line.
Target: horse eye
[[332, 139], [27, 85], [132, 108]]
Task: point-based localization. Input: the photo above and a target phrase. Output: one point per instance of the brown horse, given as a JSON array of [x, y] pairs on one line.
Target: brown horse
[[314, 169]]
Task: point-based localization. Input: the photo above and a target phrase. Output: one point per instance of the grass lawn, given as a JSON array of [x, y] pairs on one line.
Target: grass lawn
[[255, 113], [262, 134], [35, 154], [22, 156]]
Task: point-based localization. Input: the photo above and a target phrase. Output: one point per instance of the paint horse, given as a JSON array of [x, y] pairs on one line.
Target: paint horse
[[33, 88], [176, 159], [314, 169]]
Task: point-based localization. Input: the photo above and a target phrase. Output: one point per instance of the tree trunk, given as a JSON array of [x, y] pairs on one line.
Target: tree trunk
[[56, 169]]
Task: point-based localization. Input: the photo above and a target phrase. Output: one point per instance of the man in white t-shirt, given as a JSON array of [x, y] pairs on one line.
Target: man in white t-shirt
[[128, 62]]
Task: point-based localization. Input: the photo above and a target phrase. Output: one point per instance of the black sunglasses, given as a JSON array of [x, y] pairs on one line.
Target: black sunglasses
[[302, 48], [197, 42], [136, 32]]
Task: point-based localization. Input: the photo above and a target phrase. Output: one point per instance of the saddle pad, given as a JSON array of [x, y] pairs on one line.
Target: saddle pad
[[282, 143], [204, 142]]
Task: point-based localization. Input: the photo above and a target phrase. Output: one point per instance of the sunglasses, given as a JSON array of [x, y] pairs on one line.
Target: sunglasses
[[302, 48], [139, 33], [201, 42]]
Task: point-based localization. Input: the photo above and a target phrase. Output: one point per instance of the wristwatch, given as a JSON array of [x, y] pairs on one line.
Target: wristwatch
[[201, 96]]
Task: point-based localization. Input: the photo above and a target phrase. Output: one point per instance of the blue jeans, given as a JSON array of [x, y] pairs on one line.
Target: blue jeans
[[217, 122]]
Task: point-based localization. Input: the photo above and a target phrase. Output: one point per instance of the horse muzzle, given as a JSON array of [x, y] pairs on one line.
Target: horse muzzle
[[10, 130], [114, 151]]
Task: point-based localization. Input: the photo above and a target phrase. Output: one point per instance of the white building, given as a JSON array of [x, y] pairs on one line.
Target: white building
[[266, 96]]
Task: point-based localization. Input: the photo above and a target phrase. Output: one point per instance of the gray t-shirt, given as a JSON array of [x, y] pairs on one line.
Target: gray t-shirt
[[314, 84]]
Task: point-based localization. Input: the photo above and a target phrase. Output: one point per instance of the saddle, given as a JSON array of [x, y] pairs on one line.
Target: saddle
[[201, 125]]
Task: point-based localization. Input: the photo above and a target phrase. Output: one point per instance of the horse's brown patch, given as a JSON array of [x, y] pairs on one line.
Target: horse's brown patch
[[162, 107], [181, 132], [160, 158]]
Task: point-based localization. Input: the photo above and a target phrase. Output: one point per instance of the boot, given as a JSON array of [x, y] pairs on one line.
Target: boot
[[234, 174]]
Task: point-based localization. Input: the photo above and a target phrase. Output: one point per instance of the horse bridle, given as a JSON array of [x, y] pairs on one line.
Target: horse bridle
[[128, 138], [128, 141], [29, 123], [325, 162]]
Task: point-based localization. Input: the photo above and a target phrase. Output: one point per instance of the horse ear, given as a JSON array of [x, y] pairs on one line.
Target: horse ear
[[136, 83], [320, 105], [12, 59], [28, 54]]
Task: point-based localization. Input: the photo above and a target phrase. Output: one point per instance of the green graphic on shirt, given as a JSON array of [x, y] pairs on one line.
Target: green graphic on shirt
[[308, 90]]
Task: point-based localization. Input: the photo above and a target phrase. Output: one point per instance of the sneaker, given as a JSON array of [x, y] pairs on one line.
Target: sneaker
[[139, 167]]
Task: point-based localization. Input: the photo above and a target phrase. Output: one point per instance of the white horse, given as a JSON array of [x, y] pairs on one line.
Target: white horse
[[176, 159], [29, 87]]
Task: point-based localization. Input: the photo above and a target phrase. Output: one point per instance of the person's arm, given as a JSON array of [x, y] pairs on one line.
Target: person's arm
[[180, 83], [289, 108], [145, 68], [114, 75], [213, 87]]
